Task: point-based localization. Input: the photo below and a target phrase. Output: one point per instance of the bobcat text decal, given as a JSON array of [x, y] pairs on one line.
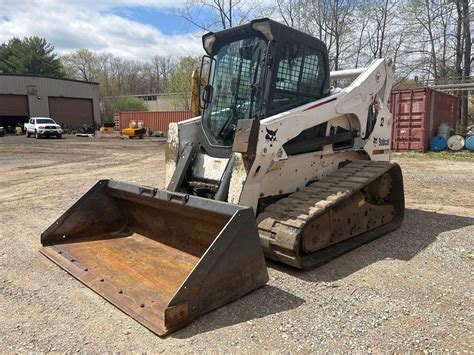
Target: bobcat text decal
[[381, 141]]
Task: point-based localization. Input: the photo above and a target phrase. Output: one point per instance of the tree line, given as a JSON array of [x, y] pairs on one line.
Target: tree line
[[427, 38], [118, 78], [429, 41]]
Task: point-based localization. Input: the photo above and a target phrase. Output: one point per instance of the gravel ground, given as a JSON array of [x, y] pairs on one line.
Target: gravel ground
[[409, 290]]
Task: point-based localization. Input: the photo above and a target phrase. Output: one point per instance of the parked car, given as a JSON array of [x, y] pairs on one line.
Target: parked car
[[2, 132], [43, 127]]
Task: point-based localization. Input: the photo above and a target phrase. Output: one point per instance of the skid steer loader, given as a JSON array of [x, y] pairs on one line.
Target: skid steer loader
[[279, 164]]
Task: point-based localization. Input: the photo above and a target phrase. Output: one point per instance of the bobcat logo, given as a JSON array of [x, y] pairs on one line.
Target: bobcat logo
[[375, 140], [271, 135]]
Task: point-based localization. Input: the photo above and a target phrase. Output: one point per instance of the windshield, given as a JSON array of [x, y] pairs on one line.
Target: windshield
[[45, 120], [235, 79]]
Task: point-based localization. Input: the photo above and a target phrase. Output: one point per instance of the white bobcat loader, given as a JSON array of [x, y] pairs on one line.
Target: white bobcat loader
[[279, 165]]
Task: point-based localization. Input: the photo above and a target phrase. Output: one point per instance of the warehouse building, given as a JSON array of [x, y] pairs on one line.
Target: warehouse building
[[71, 103]]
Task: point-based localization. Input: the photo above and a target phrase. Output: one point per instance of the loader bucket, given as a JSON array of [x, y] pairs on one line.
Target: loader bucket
[[163, 258]]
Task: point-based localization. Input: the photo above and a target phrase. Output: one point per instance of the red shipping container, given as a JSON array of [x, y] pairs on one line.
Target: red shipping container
[[417, 114], [154, 120]]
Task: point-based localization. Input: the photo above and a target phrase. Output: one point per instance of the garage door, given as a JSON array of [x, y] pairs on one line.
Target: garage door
[[13, 111], [73, 113], [13, 105]]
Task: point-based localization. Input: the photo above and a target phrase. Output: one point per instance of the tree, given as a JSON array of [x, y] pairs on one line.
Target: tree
[[84, 64], [382, 11], [292, 12], [464, 18], [332, 21], [211, 15], [180, 81], [30, 55], [339, 28], [161, 68], [128, 104]]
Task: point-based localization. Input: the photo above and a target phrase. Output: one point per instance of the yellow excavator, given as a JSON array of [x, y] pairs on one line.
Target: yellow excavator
[[279, 165], [196, 84]]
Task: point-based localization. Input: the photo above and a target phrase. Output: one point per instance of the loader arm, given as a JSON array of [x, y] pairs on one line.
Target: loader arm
[[353, 102]]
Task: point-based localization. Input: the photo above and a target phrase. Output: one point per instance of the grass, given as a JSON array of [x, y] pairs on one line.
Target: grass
[[463, 155], [462, 253]]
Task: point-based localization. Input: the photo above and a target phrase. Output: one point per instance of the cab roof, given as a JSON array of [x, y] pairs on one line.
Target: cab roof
[[264, 27]]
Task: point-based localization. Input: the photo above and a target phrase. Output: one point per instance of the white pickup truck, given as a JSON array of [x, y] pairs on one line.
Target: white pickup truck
[[42, 127]]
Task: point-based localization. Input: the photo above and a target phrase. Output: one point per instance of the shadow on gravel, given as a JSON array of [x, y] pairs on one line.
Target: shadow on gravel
[[261, 303], [418, 231]]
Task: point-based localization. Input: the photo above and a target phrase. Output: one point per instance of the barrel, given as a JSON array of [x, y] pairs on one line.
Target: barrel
[[469, 143], [438, 143], [444, 130], [456, 142]]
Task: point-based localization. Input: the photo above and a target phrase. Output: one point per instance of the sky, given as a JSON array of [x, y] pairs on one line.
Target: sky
[[131, 29]]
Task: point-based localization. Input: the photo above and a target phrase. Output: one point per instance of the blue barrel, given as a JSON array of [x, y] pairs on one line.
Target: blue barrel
[[438, 143], [469, 143]]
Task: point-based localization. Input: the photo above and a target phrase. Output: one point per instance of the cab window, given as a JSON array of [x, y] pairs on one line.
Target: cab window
[[299, 79]]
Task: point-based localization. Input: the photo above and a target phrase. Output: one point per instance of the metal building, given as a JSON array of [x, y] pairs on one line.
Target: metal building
[[69, 102]]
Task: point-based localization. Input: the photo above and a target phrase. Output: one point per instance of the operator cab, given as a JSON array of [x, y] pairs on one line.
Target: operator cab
[[256, 71]]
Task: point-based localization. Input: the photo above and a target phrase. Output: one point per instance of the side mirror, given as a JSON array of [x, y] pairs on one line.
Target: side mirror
[[206, 67], [205, 76], [206, 96]]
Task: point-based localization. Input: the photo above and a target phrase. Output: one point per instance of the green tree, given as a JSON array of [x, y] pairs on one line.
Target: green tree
[[180, 81], [127, 104], [84, 64], [30, 55]]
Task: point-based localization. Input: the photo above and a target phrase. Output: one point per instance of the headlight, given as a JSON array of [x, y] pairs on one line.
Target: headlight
[[207, 42]]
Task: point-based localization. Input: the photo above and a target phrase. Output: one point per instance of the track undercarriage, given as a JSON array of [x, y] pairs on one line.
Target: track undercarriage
[[356, 204]]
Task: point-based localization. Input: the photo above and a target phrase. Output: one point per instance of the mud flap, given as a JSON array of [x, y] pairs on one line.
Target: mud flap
[[163, 258]]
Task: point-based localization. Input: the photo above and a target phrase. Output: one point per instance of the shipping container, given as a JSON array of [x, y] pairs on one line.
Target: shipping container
[[417, 114], [154, 120]]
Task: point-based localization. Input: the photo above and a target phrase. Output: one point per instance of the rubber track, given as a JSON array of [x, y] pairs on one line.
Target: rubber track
[[280, 225]]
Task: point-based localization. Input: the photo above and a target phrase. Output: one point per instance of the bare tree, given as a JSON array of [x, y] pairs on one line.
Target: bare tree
[[432, 37], [292, 12], [162, 67], [362, 41], [381, 14], [333, 21], [463, 57], [211, 15]]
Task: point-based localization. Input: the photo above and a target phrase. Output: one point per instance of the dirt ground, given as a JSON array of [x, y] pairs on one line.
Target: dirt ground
[[409, 290]]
